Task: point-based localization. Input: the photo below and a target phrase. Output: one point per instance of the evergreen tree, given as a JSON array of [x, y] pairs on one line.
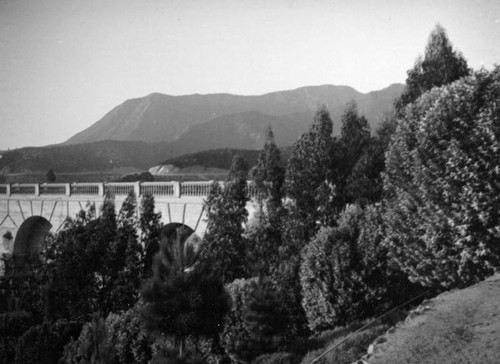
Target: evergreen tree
[[71, 290], [310, 169], [269, 176], [355, 138], [264, 320], [51, 176], [346, 273], [441, 65], [227, 214], [264, 237], [364, 185], [442, 184], [183, 298], [310, 184], [150, 228]]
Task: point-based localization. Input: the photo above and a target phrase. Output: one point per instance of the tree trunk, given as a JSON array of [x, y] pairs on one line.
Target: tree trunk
[[181, 348]]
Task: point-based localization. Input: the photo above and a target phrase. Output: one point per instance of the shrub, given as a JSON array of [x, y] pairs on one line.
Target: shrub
[[127, 339], [234, 330]]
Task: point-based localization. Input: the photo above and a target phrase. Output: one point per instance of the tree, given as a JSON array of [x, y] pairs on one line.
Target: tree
[[364, 184], [124, 258], [150, 229], [346, 272], [332, 286], [51, 176], [311, 187], [127, 338], [355, 138], [355, 134], [264, 237], [183, 298], [44, 343], [268, 176], [309, 170], [264, 318], [442, 182], [69, 270], [227, 214], [91, 347], [441, 65], [235, 331]]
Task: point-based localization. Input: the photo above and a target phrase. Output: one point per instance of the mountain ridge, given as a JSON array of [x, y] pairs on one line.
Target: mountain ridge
[[161, 118], [188, 129]]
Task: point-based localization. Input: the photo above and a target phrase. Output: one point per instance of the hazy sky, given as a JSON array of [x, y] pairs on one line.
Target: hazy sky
[[64, 63]]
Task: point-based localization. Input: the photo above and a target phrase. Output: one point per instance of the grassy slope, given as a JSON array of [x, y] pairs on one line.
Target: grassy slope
[[461, 326]]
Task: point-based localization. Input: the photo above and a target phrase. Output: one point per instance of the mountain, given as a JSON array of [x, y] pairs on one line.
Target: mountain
[[140, 133], [164, 118]]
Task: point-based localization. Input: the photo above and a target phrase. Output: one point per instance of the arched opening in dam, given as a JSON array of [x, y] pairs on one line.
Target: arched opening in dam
[[28, 242], [182, 242], [31, 235]]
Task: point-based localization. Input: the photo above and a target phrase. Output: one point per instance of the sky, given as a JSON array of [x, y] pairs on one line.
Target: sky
[[65, 63]]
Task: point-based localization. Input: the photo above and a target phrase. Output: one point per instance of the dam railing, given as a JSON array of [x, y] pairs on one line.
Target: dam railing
[[158, 189]]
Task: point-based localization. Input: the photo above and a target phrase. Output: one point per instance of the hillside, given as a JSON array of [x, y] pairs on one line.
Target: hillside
[[460, 326], [158, 117], [217, 159], [97, 156]]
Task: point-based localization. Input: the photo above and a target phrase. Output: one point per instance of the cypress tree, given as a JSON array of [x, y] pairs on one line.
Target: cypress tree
[[150, 230], [227, 214], [440, 66]]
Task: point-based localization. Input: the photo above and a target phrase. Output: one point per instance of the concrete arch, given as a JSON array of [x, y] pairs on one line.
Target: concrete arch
[[30, 236]]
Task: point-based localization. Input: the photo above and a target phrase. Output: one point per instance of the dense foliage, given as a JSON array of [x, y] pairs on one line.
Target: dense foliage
[[443, 183], [227, 214], [441, 65], [183, 298]]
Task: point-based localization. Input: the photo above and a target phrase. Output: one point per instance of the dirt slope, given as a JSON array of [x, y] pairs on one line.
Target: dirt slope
[[460, 326]]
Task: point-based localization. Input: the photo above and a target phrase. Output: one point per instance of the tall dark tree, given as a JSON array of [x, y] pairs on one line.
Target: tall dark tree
[[183, 298], [355, 138], [355, 135], [227, 214], [364, 184], [265, 320], [51, 176], [268, 176], [150, 230], [309, 170], [264, 236], [125, 255], [440, 66]]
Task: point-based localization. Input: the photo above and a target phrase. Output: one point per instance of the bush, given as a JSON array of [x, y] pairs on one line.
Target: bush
[[346, 274], [90, 347], [127, 340], [234, 326]]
